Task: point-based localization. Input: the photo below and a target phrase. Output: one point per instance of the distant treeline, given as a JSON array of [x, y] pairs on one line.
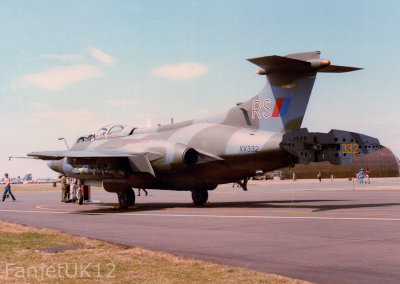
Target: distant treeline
[[382, 163]]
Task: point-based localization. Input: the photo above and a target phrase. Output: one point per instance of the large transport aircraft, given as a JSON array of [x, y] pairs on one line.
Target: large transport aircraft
[[196, 155]]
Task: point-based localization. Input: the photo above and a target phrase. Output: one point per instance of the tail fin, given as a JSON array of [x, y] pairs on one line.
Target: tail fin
[[281, 105]]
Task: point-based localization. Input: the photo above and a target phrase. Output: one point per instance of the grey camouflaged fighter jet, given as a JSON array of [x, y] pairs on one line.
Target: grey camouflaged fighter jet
[[197, 155]]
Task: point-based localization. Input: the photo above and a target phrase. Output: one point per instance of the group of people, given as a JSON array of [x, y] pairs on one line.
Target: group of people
[[69, 189], [71, 186], [361, 175]]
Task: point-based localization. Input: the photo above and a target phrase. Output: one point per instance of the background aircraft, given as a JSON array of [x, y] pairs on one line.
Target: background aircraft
[[197, 155]]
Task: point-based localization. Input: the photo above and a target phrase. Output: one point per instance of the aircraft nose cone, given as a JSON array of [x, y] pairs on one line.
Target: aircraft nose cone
[[51, 165]]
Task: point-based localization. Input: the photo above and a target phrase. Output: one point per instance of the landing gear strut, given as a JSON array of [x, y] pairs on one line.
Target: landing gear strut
[[199, 197], [126, 198]]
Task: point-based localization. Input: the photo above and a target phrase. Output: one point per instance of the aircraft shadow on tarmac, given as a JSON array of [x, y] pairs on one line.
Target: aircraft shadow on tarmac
[[266, 204]]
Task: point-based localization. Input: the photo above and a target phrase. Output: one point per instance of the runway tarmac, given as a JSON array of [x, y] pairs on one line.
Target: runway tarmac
[[321, 232]]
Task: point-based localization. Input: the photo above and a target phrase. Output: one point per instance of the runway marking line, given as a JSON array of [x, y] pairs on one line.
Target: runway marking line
[[62, 210], [303, 212], [208, 210], [342, 211], [285, 211], [258, 210], [264, 217], [57, 209], [220, 216]]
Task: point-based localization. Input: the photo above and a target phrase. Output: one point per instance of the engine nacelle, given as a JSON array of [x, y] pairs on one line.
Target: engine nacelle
[[178, 156], [190, 156]]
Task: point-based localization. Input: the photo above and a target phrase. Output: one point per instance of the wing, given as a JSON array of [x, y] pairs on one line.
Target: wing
[[57, 155], [139, 162]]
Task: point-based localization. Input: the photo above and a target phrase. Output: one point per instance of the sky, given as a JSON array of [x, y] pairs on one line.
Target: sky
[[69, 67]]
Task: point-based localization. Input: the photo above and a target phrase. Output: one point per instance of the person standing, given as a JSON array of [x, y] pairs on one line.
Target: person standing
[[74, 186], [367, 177], [319, 176], [63, 188], [68, 182], [361, 176], [294, 176], [7, 189]]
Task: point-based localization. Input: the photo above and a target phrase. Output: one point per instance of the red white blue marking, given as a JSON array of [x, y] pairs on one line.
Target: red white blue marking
[[281, 107]]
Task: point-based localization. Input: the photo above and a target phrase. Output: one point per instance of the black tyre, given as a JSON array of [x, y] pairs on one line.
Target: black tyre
[[199, 197], [126, 198], [131, 197]]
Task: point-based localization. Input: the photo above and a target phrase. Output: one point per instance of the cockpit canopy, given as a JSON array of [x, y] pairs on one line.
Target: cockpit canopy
[[108, 131], [113, 130]]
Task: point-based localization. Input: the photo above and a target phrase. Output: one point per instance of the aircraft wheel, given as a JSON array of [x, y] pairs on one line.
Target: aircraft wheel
[[199, 197], [126, 198], [131, 195]]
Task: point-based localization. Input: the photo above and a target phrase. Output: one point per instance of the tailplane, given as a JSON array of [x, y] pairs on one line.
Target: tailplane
[[281, 105]]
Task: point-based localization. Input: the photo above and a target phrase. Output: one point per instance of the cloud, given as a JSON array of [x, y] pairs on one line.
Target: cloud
[[39, 105], [65, 114], [58, 78], [122, 102], [181, 71], [203, 111], [63, 57], [146, 119], [65, 122], [72, 118], [149, 122], [101, 56]]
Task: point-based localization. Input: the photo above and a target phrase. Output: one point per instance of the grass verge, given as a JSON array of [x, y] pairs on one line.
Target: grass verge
[[91, 261]]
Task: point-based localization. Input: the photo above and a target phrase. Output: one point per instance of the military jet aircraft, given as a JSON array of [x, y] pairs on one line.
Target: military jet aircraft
[[262, 133]]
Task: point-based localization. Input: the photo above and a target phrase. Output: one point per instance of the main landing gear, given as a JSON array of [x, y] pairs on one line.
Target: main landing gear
[[199, 197], [126, 198]]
